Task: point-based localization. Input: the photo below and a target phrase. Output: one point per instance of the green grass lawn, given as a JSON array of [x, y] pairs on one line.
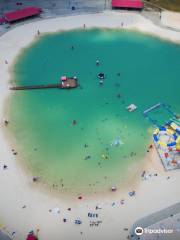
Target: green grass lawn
[[173, 5]]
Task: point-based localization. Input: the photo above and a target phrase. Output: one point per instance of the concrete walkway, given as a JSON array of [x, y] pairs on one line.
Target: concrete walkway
[[3, 236], [168, 218]]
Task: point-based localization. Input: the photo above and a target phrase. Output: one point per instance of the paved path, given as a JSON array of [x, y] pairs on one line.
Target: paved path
[[3, 236], [57, 7], [168, 218], [53, 8]]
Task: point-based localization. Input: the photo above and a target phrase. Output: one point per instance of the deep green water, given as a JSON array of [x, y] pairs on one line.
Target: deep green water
[[41, 120]]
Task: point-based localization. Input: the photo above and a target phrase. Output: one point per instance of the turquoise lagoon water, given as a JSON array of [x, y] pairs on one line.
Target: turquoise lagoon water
[[83, 157]]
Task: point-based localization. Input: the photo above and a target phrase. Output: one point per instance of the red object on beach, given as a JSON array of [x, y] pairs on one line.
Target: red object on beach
[[22, 14], [136, 4], [31, 237], [80, 197]]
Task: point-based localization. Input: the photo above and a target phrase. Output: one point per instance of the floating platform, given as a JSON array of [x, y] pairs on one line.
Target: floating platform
[[167, 143], [163, 107], [152, 108], [132, 107], [65, 84]]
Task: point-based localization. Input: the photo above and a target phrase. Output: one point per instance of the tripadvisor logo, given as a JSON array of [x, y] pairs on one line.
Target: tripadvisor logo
[[139, 231]]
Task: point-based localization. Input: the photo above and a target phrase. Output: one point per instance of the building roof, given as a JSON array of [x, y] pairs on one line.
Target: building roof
[[21, 14], [127, 4], [2, 20]]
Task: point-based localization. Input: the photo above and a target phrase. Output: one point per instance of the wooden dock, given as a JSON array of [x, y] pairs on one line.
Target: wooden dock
[[68, 84]]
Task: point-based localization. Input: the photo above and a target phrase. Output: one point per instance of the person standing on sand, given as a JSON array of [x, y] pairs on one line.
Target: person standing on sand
[[160, 14], [6, 122]]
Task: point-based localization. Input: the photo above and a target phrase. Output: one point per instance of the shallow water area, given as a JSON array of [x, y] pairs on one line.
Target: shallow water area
[[84, 139]]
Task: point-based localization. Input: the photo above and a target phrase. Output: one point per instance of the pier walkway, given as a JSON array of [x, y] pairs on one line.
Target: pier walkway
[[35, 87], [68, 84]]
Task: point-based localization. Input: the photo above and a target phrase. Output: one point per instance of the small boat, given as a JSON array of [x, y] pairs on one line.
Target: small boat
[[101, 76]]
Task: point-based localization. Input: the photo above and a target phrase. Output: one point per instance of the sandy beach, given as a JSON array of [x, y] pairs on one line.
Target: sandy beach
[[171, 19], [23, 207]]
